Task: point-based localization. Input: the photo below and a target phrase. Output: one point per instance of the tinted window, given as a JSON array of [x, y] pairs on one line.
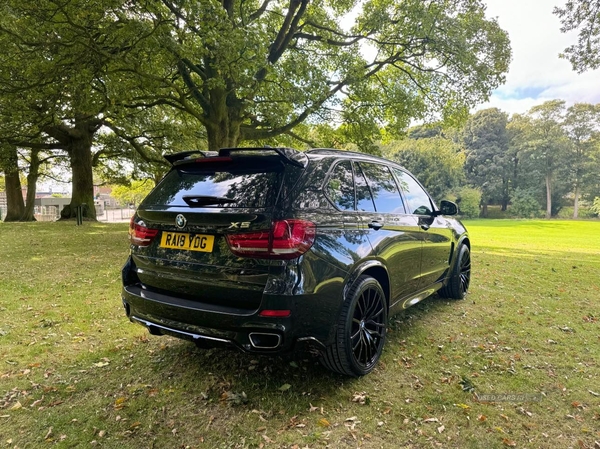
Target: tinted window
[[384, 189], [418, 200], [248, 185], [364, 201], [340, 187]]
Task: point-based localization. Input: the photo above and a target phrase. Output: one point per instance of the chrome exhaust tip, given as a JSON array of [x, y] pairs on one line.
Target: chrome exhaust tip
[[263, 340]]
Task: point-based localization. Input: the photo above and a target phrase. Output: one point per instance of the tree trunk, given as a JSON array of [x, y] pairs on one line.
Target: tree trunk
[[484, 210], [548, 196], [223, 128], [32, 177], [505, 194], [80, 152], [224, 134], [14, 193], [576, 203]]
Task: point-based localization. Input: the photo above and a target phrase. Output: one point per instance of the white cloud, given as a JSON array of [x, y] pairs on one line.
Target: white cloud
[[536, 73]]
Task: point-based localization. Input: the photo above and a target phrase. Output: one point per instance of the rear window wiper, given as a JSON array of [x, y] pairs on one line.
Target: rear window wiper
[[204, 200]]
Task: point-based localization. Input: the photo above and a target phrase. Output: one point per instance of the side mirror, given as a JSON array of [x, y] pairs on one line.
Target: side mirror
[[448, 208]]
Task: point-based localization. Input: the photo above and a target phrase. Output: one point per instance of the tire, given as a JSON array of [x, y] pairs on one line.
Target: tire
[[457, 284], [361, 330]]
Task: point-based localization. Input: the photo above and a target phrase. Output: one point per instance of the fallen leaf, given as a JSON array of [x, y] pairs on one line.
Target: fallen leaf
[[16, 406], [431, 420], [441, 429], [481, 418], [323, 423], [285, 387], [360, 398], [509, 443], [100, 364]]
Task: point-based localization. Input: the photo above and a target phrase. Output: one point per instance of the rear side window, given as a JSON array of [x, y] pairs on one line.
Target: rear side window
[[384, 189], [364, 200], [419, 202], [247, 184], [340, 187]]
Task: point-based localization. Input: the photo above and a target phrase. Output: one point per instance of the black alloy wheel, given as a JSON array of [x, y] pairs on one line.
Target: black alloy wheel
[[361, 330], [460, 278]]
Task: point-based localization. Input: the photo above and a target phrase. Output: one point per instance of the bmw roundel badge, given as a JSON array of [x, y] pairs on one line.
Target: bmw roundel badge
[[180, 221]]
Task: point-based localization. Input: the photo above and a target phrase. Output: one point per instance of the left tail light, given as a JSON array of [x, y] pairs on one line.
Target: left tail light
[[287, 239], [139, 234]]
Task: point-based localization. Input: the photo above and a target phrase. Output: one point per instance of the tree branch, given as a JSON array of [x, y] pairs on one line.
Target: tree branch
[[289, 27]]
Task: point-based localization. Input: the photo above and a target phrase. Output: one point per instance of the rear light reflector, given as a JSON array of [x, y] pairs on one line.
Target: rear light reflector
[[287, 239], [139, 234], [275, 313]]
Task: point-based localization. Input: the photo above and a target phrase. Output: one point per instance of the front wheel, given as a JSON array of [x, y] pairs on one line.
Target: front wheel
[[457, 285], [361, 330]]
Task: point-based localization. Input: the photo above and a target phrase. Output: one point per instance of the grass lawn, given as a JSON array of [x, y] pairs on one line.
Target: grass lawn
[[516, 364]]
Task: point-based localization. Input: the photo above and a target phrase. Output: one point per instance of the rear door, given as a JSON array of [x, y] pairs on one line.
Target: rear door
[[435, 233], [394, 234]]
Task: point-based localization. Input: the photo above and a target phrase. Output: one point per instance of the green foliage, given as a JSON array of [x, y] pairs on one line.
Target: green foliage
[[468, 200], [543, 154], [436, 162], [489, 160], [583, 16], [584, 212], [596, 206], [133, 193], [524, 204], [582, 125], [251, 73]]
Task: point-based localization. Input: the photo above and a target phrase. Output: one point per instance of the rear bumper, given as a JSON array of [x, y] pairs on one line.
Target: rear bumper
[[210, 325]]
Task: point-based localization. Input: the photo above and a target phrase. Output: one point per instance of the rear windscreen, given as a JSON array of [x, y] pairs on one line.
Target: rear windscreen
[[244, 183]]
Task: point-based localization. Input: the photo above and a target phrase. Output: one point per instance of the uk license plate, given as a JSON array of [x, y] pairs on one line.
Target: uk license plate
[[190, 242]]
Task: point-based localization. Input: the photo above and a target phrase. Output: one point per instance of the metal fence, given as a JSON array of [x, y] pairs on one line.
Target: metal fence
[[116, 215], [51, 213]]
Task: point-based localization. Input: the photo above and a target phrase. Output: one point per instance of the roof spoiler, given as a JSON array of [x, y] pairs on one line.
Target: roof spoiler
[[172, 158], [289, 155]]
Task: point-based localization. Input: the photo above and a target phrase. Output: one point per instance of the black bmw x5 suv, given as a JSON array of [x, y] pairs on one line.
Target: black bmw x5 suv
[[272, 249]]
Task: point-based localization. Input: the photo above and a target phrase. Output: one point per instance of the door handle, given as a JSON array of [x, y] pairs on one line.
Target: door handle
[[375, 225]]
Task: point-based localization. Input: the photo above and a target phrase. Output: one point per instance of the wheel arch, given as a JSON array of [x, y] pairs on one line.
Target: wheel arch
[[377, 271], [466, 241]]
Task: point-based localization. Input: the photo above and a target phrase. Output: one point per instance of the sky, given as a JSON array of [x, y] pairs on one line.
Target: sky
[[536, 73]]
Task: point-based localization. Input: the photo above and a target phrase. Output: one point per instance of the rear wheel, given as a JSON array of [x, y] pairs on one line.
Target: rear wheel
[[457, 285], [361, 330]]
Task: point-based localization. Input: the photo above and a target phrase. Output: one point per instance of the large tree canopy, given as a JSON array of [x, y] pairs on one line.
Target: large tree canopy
[[235, 70], [249, 71], [489, 163], [57, 78], [583, 16]]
